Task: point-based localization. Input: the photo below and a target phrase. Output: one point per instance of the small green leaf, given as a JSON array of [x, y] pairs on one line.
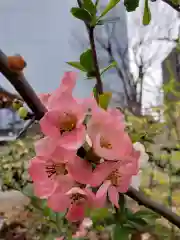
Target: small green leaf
[[81, 14], [109, 6], [147, 13], [113, 64], [146, 214], [89, 6], [77, 65], [121, 233], [86, 60], [104, 99], [99, 214], [131, 5]]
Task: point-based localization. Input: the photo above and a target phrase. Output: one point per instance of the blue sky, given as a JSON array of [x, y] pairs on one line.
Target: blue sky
[[41, 31]]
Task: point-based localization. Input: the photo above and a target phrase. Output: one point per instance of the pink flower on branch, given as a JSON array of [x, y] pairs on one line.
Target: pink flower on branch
[[109, 139], [115, 179], [65, 122], [66, 86], [76, 200], [49, 172]]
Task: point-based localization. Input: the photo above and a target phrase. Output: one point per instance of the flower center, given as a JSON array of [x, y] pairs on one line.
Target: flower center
[[56, 169], [67, 122], [77, 198], [104, 143], [115, 177]]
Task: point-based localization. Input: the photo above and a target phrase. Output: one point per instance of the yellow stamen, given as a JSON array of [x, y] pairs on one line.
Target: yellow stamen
[[56, 169], [115, 178], [105, 144], [67, 122]]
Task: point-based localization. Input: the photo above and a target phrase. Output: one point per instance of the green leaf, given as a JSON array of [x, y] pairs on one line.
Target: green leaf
[[121, 233], [89, 6], [109, 6], [81, 14], [86, 60], [104, 99], [91, 75], [99, 214], [146, 214], [131, 5], [147, 13], [113, 64], [77, 65]]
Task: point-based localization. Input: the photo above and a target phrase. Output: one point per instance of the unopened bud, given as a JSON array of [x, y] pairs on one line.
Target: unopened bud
[[16, 63], [22, 112], [17, 104]]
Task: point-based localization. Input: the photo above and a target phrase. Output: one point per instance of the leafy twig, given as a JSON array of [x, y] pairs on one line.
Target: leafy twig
[[140, 198], [90, 29]]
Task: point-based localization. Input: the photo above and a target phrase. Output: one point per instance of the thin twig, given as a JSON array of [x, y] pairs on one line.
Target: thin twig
[[173, 5], [27, 125], [140, 198], [90, 30], [99, 85]]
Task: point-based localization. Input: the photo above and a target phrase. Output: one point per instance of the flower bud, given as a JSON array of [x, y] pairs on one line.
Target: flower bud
[[16, 63], [17, 104], [22, 112]]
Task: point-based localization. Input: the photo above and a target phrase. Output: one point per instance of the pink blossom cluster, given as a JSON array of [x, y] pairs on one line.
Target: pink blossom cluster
[[70, 183]]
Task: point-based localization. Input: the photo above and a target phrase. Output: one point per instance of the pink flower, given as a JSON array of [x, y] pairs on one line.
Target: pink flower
[[81, 170], [76, 200], [64, 123], [44, 97], [118, 180], [109, 139], [67, 85], [47, 147], [50, 173]]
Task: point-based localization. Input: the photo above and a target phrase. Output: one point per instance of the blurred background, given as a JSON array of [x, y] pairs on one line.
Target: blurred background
[[145, 83]]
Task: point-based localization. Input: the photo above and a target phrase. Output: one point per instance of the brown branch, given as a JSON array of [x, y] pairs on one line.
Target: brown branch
[[22, 87], [139, 197], [99, 85], [90, 30], [173, 5]]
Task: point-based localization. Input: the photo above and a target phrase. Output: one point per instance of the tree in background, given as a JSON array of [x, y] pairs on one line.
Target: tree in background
[[138, 55]]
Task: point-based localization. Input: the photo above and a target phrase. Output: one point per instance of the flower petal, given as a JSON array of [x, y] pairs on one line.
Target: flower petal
[[76, 213], [113, 195], [101, 194], [49, 124], [45, 147], [80, 170], [44, 189], [37, 169], [75, 139], [58, 202], [101, 172]]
